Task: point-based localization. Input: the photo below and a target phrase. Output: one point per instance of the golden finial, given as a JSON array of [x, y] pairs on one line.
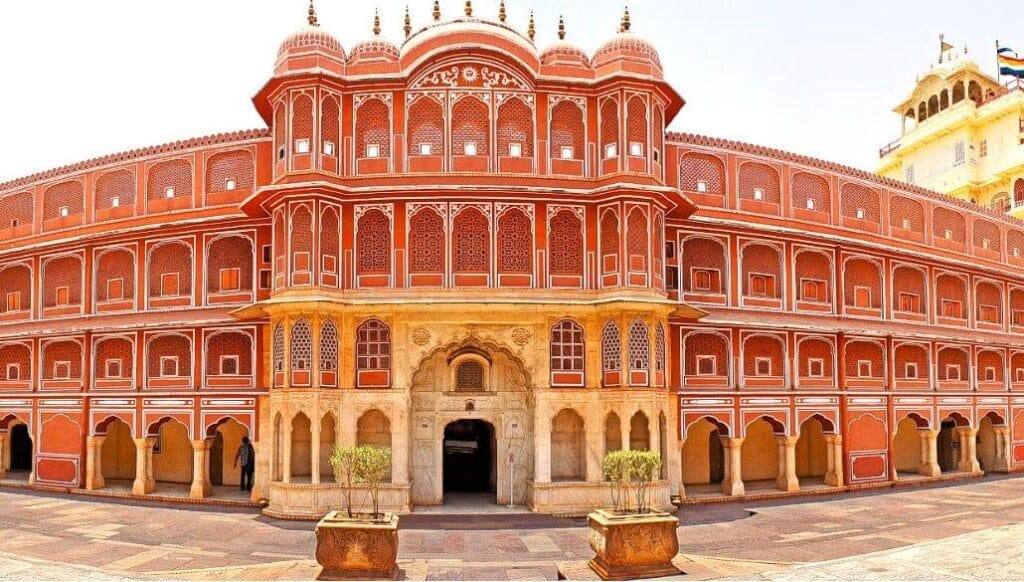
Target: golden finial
[[376, 22], [531, 30], [624, 26], [501, 11], [561, 27], [408, 22], [437, 10], [311, 15], [469, 7]]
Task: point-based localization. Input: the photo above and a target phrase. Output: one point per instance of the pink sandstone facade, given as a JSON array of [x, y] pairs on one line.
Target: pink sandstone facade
[[494, 260]]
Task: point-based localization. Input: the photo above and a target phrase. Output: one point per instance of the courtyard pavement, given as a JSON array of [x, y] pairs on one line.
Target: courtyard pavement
[[963, 531]]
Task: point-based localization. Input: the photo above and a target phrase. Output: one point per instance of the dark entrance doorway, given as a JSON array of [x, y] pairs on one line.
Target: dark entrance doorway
[[947, 447], [716, 454], [469, 457], [217, 460], [21, 449]]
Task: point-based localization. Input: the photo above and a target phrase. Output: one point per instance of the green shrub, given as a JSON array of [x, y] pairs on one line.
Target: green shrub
[[629, 474], [361, 465]]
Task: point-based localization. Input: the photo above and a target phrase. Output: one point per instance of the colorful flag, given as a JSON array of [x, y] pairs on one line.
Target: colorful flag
[[1009, 63]]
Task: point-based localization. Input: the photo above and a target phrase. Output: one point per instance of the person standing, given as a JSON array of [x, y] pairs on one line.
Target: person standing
[[246, 455]]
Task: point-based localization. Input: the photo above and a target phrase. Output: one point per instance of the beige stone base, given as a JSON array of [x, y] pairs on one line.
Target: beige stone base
[[580, 498], [306, 500], [355, 549], [628, 547]]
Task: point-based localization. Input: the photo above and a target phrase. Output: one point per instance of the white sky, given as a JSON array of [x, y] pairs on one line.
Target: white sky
[[82, 79]]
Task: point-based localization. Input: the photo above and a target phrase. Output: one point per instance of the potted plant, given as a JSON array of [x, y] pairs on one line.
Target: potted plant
[[351, 544], [632, 540]]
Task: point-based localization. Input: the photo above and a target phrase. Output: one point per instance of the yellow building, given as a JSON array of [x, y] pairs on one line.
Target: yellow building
[[962, 135]]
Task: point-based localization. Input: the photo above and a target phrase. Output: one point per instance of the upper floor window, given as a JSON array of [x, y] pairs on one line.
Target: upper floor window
[[611, 150], [983, 148], [959, 154], [302, 146], [373, 150], [636, 149], [328, 148]]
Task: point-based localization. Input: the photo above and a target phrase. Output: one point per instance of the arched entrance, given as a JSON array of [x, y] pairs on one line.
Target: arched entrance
[[172, 454], [469, 458], [812, 451], [226, 439], [703, 456], [759, 455], [949, 446], [21, 452], [990, 454], [118, 454], [908, 446]]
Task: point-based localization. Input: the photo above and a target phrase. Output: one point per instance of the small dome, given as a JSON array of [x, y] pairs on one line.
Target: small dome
[[375, 49], [627, 45], [311, 39], [564, 53]]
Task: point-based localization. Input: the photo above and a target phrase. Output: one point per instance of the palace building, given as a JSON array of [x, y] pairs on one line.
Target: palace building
[[493, 259], [962, 134]]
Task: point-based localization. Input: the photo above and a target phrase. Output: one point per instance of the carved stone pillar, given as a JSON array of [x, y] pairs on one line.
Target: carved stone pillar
[[399, 447], [3, 455], [286, 454], [264, 467], [144, 482], [595, 446], [929, 453], [834, 447], [94, 462], [680, 487], [625, 425], [542, 446], [1004, 449], [201, 487], [968, 450], [732, 480], [314, 450], [787, 479]]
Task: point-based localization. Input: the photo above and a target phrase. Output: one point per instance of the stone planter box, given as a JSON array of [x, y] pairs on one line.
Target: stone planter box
[[633, 546], [357, 548]]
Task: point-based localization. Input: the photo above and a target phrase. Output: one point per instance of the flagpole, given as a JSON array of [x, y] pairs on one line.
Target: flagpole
[[999, 75]]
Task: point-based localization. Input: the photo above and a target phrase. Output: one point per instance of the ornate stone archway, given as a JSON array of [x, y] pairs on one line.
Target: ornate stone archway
[[505, 401]]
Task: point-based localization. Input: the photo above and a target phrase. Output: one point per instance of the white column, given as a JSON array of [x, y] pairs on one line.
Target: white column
[[968, 450], [929, 453], [787, 479], [314, 450], [625, 424], [595, 447], [144, 482], [286, 454], [732, 481], [94, 462], [201, 487], [834, 474], [542, 446]]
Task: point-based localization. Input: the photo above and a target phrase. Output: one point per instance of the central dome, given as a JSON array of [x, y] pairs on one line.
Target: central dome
[[310, 39]]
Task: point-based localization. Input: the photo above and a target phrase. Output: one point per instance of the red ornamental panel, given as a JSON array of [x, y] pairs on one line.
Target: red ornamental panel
[[115, 276], [63, 200], [471, 241], [168, 356], [330, 247], [115, 359], [15, 289], [515, 249], [426, 245], [373, 244], [116, 190], [170, 272], [62, 282], [230, 171], [567, 131], [229, 265], [301, 242], [16, 212], [811, 193], [907, 215], [229, 353], [515, 127], [566, 246], [15, 363], [62, 360]]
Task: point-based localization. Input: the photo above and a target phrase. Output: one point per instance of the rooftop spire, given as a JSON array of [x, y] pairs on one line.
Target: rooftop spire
[[408, 22], [531, 29], [437, 10], [376, 22], [501, 11], [625, 24], [561, 27], [469, 7], [311, 15]]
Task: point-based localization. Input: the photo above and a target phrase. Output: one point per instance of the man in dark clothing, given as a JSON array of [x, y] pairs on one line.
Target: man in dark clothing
[[247, 456]]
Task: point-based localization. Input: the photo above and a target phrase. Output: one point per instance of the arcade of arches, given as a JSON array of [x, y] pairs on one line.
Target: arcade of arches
[[477, 415]]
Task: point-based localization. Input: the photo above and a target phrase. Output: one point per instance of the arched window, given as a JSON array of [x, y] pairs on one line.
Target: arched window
[[610, 252], [426, 247], [469, 376], [373, 354], [63, 201], [567, 131], [301, 244], [811, 193], [639, 353], [302, 125], [611, 354], [373, 244], [659, 354], [567, 353], [637, 240], [115, 277], [702, 174], [278, 355], [115, 190], [170, 181], [62, 283], [515, 250], [330, 247], [566, 249], [169, 356], [16, 289], [301, 352], [636, 128], [515, 129], [470, 128], [426, 129], [609, 130], [328, 354], [280, 131], [229, 353], [229, 266], [228, 171], [759, 183], [373, 133], [471, 240], [330, 136], [170, 273]]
